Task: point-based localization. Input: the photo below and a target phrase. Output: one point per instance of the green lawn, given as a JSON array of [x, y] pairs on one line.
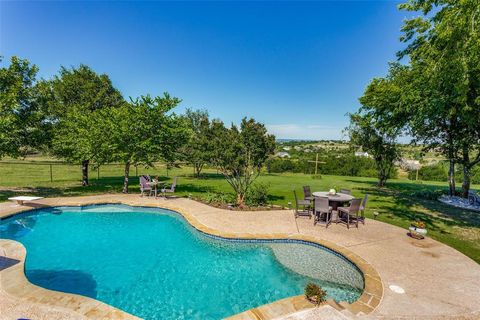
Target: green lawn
[[455, 227]]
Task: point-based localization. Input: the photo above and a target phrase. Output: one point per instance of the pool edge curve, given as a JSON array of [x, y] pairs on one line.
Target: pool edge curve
[[17, 285]]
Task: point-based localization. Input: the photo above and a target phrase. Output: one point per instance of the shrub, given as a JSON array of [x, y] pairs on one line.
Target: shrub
[[220, 198], [314, 293], [258, 194]]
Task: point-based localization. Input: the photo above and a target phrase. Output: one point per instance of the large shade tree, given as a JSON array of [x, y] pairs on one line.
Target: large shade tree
[[379, 122], [380, 144], [21, 118], [76, 94], [199, 150], [443, 49], [240, 153], [144, 131]]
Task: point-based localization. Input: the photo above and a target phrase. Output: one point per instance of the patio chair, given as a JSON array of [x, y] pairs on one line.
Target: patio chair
[[346, 191], [322, 211], [307, 193], [363, 206], [349, 215], [144, 186], [171, 189], [306, 204]]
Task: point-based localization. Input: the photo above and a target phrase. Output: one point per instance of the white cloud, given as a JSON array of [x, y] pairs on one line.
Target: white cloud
[[310, 131]]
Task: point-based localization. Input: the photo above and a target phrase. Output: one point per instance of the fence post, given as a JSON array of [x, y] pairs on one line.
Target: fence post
[[98, 173], [51, 173], [136, 170]]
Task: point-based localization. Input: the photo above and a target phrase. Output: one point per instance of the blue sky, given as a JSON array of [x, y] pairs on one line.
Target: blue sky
[[298, 67]]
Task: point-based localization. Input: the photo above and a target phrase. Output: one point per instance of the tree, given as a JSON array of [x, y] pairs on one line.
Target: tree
[[241, 153], [382, 119], [365, 132], [75, 95], [19, 119], [443, 48], [143, 131], [199, 149], [378, 123]]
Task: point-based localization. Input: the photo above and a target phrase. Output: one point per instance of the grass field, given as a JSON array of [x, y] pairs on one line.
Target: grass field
[[395, 203]]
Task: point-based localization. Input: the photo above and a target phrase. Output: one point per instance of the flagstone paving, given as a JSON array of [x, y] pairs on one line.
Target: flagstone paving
[[438, 281]]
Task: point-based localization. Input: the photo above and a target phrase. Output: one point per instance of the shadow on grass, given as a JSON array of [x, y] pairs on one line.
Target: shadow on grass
[[399, 199], [272, 198], [192, 188]]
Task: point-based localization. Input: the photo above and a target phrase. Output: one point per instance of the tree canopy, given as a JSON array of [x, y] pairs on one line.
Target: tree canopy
[[240, 153], [19, 112], [199, 149], [76, 94], [434, 95], [443, 46], [144, 131]]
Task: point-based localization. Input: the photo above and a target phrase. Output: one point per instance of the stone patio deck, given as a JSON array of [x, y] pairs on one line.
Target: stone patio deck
[[439, 282]]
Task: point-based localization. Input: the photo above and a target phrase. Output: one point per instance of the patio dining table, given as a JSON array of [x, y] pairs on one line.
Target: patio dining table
[[336, 199], [155, 184]]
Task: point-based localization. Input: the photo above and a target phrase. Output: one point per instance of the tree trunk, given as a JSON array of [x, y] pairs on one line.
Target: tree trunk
[[382, 175], [85, 172], [451, 178], [125, 181], [466, 181], [240, 200], [198, 169], [381, 182], [466, 173]]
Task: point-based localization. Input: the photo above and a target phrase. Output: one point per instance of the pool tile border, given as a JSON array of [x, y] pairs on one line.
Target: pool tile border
[[17, 285]]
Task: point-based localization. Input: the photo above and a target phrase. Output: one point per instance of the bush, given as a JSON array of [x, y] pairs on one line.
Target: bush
[[258, 194], [219, 198], [314, 293]]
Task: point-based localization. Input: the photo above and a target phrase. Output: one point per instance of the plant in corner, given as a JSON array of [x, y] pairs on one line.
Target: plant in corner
[[315, 294], [418, 230]]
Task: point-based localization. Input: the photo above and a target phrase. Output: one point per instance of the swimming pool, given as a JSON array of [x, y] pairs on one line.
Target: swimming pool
[[150, 262]]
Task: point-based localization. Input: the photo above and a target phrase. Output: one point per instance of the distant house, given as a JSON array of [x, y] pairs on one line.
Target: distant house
[[361, 154], [307, 150], [287, 148], [298, 148], [409, 164], [282, 154]]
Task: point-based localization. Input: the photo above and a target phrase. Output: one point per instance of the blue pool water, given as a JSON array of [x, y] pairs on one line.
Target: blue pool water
[[150, 262]]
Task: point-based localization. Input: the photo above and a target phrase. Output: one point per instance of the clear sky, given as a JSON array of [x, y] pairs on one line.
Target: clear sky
[[298, 67]]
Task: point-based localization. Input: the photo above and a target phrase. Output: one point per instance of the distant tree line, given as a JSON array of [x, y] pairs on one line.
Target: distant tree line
[[432, 93], [342, 164], [79, 116]]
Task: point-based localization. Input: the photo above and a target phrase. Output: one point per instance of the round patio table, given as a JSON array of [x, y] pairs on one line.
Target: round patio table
[[334, 199], [155, 184]]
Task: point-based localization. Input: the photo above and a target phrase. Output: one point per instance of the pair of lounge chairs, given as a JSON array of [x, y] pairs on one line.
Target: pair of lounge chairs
[[146, 186]]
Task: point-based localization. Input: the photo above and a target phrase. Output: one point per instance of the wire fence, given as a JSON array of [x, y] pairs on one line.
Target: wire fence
[[55, 171]]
